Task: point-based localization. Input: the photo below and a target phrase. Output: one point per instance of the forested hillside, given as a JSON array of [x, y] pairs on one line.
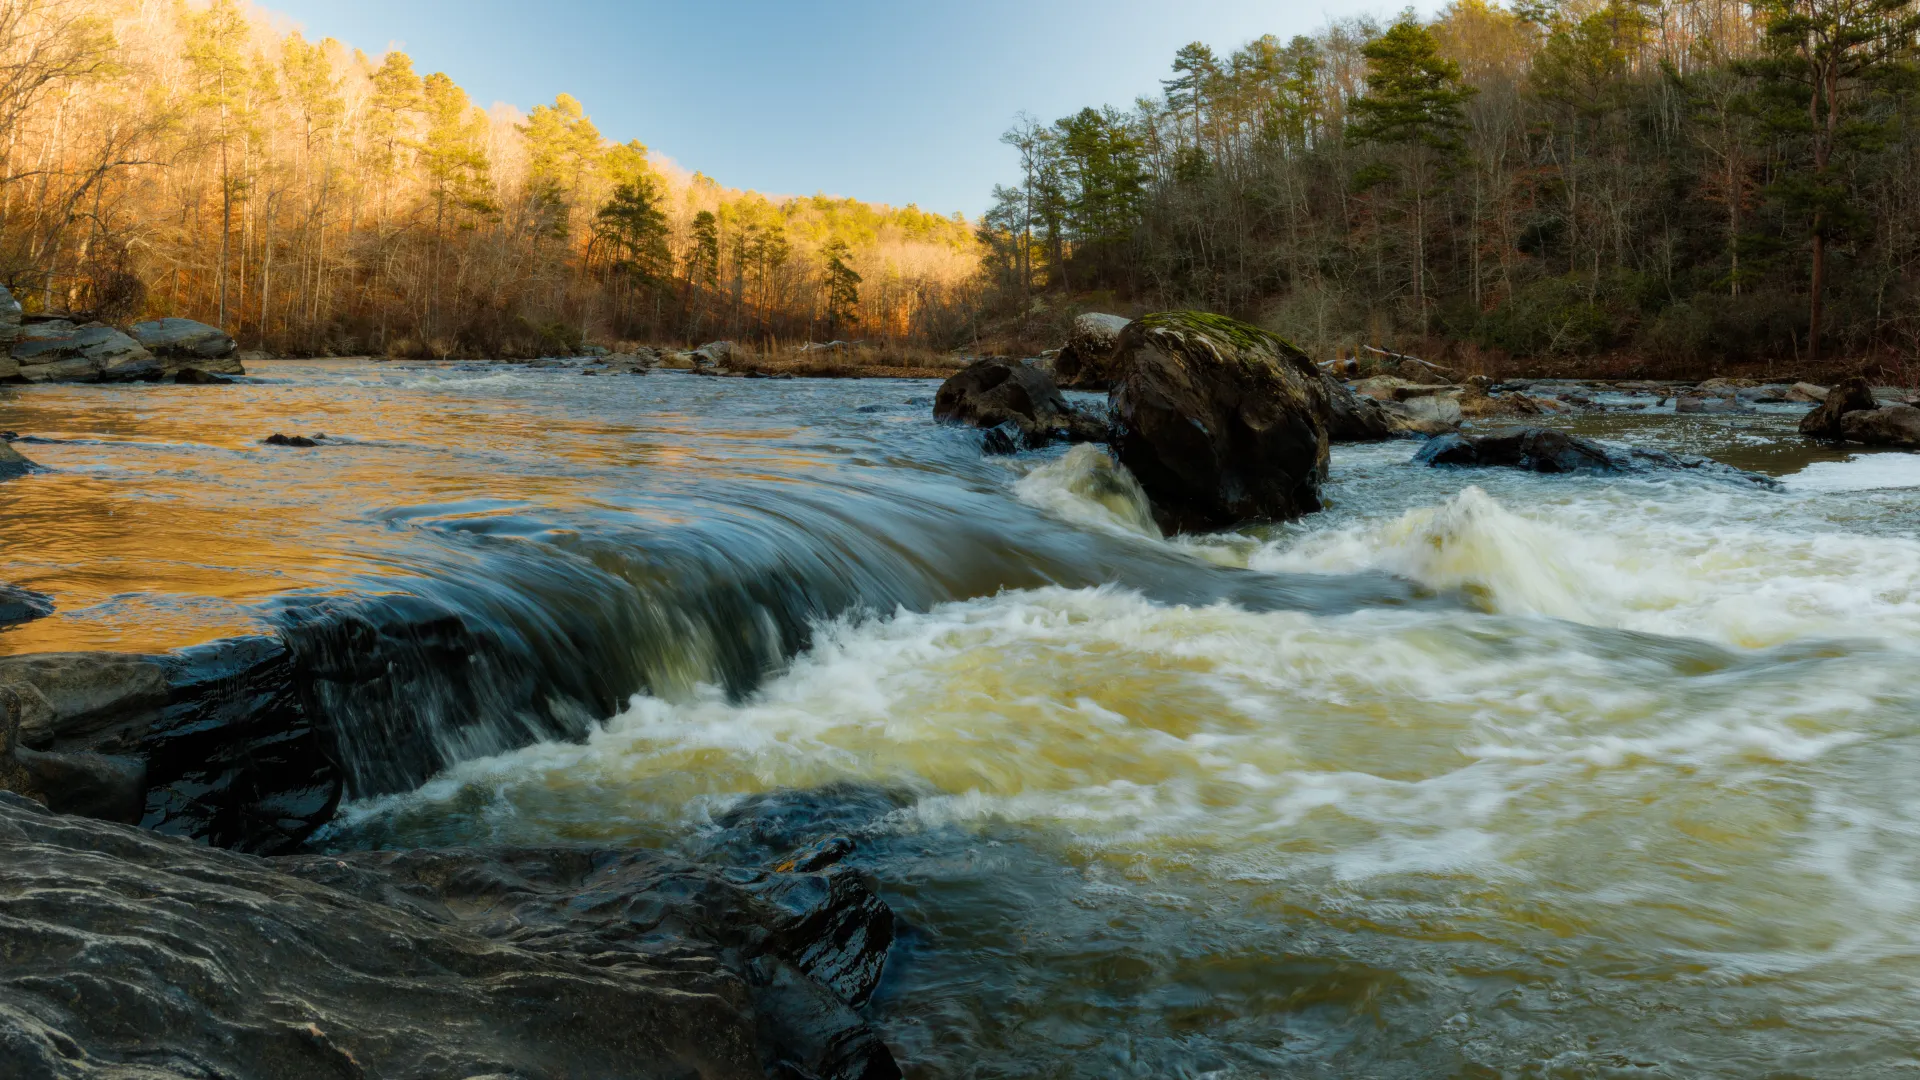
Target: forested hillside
[[1678, 183], [173, 158]]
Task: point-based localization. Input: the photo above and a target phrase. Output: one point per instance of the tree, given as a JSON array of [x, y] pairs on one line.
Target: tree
[[454, 157], [563, 152], [1826, 73], [390, 112], [634, 227], [215, 53], [843, 288], [1414, 105]]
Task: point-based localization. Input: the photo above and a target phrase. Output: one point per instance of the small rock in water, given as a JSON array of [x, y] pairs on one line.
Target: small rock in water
[[13, 463], [1544, 450], [196, 377], [1001, 440], [277, 439], [22, 605]]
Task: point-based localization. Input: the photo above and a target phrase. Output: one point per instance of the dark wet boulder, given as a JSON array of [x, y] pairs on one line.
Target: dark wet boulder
[[1854, 395], [1084, 362], [1544, 450], [1888, 425], [1221, 422], [301, 441], [534, 963], [22, 605], [193, 344], [13, 463], [995, 392]]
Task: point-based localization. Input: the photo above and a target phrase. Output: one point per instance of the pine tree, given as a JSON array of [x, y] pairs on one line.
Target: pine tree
[[843, 288], [216, 44], [1827, 81], [1414, 105]]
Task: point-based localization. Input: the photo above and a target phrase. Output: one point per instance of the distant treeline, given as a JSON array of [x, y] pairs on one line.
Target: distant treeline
[[169, 157], [1690, 181]]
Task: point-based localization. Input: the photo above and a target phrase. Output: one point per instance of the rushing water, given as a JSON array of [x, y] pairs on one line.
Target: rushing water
[[1476, 774]]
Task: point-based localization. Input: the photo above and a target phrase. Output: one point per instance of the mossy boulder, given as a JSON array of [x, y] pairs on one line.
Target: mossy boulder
[[1221, 421]]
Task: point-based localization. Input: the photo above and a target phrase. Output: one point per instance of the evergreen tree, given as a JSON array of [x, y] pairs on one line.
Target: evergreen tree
[[843, 288], [632, 224], [216, 44], [1828, 76], [1414, 106], [390, 119]]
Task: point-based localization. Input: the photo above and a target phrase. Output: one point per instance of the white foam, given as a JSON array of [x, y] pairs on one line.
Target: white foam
[[1862, 472], [1087, 487]]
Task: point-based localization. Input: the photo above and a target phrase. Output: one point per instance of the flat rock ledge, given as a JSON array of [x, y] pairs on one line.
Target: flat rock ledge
[[133, 954]]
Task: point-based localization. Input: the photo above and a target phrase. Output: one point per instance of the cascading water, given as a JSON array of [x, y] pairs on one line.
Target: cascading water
[[1476, 773]]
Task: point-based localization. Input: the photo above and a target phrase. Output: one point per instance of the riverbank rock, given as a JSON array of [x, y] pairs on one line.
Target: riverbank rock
[[1220, 421], [13, 463], [22, 605], [534, 963], [1854, 395], [1083, 363], [185, 343], [58, 351], [717, 354], [1544, 450], [1888, 425], [996, 392]]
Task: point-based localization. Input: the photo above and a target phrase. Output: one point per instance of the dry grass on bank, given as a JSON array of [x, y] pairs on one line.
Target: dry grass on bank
[[857, 362]]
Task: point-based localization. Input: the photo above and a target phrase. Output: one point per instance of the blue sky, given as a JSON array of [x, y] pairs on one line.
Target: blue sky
[[893, 102]]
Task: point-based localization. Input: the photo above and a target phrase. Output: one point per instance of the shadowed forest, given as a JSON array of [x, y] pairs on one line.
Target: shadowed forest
[[1639, 186], [168, 158]]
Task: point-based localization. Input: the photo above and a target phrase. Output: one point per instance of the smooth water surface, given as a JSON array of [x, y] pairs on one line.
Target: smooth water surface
[[1476, 774]]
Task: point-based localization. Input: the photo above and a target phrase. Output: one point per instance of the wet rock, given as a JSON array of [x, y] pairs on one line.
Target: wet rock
[[1717, 406], [61, 352], [22, 605], [1889, 425], [1442, 410], [1083, 363], [94, 702], [1854, 395], [107, 787], [13, 463], [1220, 421], [995, 392], [185, 343], [277, 439], [197, 377], [1000, 441], [1544, 450], [531, 963]]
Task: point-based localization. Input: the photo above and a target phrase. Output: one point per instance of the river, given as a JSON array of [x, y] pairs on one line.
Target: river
[[1475, 774]]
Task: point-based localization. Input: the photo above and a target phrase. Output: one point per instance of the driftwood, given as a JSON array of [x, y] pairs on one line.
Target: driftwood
[[1404, 356], [828, 346]]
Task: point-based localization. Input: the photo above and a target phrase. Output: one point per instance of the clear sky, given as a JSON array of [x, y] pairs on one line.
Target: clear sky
[[893, 101]]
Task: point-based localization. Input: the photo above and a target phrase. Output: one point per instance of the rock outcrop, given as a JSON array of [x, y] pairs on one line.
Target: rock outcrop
[[1220, 421], [59, 351], [1083, 363], [1544, 450], [1854, 395], [997, 393], [1889, 425], [132, 953], [716, 354], [185, 343]]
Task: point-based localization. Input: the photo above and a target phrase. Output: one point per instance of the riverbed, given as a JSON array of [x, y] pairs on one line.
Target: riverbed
[[1477, 773]]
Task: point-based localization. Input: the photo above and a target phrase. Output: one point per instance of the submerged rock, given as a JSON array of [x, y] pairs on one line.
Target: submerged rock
[[996, 392], [13, 463], [196, 377], [535, 963], [19, 605], [1084, 362], [277, 439], [1544, 450], [1220, 421]]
